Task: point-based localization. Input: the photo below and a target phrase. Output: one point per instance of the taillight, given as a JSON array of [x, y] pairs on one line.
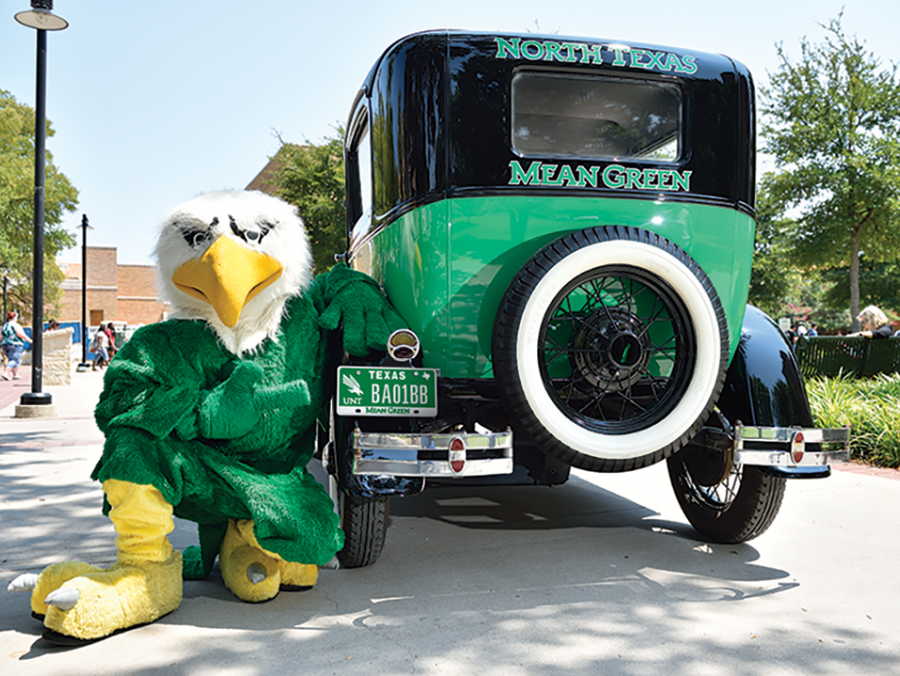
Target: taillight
[[403, 345], [457, 454], [798, 448]]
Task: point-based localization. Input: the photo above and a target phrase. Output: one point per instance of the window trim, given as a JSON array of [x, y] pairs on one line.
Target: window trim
[[682, 136]]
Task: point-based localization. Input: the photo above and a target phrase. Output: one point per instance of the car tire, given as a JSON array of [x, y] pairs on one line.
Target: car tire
[[364, 522], [611, 347], [735, 509]]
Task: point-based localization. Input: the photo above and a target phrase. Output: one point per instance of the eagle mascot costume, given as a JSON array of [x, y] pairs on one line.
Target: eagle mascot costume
[[211, 416]]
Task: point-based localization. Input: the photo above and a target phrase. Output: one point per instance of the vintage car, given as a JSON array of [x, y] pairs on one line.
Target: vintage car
[[567, 226]]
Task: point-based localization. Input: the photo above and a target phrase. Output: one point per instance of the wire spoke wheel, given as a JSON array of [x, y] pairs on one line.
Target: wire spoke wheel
[[363, 520], [612, 346], [618, 349], [738, 507], [721, 495]]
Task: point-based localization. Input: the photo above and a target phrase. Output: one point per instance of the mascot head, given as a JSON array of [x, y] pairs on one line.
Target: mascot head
[[233, 259]]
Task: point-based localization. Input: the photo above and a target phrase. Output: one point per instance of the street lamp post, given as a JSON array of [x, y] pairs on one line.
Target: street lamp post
[[85, 226], [42, 19]]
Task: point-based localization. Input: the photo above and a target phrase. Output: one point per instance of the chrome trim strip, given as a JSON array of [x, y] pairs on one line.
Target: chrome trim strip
[[432, 468], [430, 442], [396, 454], [788, 438], [783, 458], [786, 435]]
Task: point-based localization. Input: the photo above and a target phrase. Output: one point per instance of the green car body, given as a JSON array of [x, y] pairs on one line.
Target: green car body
[[446, 265]]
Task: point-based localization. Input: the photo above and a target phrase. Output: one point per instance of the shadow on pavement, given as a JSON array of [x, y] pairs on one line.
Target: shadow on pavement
[[526, 580]]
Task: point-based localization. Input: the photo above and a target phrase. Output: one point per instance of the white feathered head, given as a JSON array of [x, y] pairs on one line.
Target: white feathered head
[[233, 259]]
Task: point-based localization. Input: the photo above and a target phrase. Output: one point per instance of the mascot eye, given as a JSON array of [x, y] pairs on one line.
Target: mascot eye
[[196, 238], [251, 236]]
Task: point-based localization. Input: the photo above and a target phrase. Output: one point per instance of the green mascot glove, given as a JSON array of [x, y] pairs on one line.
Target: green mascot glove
[[355, 299], [233, 408]]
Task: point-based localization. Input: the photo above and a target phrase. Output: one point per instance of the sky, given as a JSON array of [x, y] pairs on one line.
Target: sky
[[153, 103]]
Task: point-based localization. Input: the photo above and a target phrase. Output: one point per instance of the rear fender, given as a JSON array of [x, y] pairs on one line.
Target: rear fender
[[764, 387]]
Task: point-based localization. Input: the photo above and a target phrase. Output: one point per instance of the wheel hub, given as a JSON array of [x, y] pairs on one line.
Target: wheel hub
[[609, 353], [625, 351]]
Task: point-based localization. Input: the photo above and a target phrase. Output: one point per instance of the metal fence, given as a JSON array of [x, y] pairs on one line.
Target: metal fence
[[857, 357], [123, 332]]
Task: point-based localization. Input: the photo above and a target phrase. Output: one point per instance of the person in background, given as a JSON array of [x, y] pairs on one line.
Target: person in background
[[98, 348], [813, 330], [52, 325], [791, 335], [111, 334], [874, 324], [12, 340]]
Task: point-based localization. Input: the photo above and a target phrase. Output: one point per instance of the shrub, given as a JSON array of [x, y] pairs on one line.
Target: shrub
[[870, 406]]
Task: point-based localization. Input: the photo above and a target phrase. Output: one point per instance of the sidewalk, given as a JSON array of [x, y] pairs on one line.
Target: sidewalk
[[74, 421], [598, 576], [12, 390]]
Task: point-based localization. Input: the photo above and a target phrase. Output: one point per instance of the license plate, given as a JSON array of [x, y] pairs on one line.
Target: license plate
[[386, 391]]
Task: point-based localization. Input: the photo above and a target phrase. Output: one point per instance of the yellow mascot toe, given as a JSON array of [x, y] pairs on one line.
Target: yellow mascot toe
[[52, 578]]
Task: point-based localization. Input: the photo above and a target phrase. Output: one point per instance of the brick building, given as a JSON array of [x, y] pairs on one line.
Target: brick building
[[114, 293], [264, 180]]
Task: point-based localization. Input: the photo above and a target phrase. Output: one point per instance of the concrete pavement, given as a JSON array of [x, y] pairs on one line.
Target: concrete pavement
[[599, 576]]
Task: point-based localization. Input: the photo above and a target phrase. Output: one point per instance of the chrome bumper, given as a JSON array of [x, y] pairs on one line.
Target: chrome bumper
[[788, 446], [432, 455]]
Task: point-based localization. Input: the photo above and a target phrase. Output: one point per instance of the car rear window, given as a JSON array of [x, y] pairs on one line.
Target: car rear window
[[564, 115]]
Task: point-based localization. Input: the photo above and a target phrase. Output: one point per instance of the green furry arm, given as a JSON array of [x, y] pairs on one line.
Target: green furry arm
[[155, 385], [354, 300], [234, 407], [134, 398]]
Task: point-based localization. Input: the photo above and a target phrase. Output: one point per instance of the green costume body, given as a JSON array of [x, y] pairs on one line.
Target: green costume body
[[223, 437]]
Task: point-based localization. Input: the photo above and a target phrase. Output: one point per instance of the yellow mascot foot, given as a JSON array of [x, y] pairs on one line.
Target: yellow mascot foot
[[297, 576], [80, 603], [249, 572], [254, 574], [96, 604]]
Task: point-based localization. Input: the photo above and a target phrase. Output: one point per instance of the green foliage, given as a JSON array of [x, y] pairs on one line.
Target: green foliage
[[879, 284], [311, 177], [773, 274], [832, 122], [870, 406], [17, 122]]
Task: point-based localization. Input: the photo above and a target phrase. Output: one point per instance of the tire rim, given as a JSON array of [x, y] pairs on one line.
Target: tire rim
[[626, 340], [718, 497]]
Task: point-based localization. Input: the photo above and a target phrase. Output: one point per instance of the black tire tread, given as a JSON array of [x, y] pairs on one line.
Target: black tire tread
[[364, 521], [749, 515]]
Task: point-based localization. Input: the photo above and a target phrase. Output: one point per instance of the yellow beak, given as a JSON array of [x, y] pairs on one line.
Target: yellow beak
[[227, 276]]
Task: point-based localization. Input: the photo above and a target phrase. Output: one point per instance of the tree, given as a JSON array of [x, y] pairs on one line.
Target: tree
[[877, 285], [311, 177], [832, 122], [772, 272], [17, 123]]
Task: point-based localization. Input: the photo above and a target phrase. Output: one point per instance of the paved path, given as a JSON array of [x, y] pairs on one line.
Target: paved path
[[12, 390], [600, 576]]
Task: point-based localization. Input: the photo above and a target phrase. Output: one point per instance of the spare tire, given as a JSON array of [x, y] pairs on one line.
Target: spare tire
[[611, 348]]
